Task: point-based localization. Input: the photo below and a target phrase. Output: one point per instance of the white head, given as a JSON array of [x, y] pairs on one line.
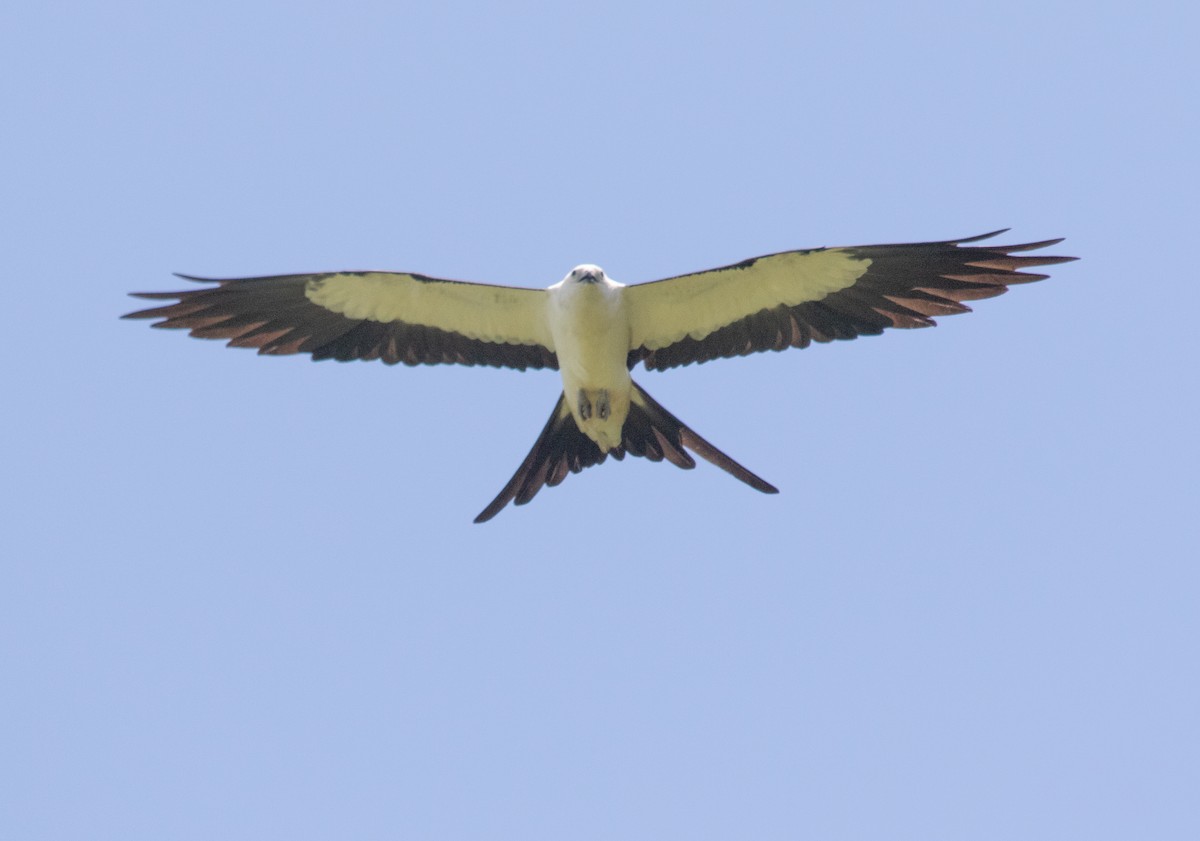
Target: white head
[[587, 273]]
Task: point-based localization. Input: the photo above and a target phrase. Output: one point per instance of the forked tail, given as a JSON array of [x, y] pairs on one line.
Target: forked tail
[[650, 432]]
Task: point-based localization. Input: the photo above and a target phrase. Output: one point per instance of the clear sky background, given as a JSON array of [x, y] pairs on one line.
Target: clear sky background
[[242, 597]]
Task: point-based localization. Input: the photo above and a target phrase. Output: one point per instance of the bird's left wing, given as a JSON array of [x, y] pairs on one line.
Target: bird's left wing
[[797, 297], [392, 316]]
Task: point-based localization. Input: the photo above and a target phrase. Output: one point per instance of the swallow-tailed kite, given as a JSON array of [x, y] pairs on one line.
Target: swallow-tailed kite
[[594, 330]]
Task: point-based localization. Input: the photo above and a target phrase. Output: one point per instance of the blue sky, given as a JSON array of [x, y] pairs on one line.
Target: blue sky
[[242, 597]]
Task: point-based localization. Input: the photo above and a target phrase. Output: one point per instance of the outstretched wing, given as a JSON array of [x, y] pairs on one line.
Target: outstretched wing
[[797, 297], [393, 316]]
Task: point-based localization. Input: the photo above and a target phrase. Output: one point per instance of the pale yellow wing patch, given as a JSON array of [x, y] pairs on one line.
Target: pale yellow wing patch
[[502, 314], [696, 305]]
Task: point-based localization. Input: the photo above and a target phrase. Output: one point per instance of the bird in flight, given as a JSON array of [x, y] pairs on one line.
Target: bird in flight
[[595, 330]]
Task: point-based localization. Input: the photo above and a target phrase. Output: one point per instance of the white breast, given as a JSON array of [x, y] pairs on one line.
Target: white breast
[[590, 326]]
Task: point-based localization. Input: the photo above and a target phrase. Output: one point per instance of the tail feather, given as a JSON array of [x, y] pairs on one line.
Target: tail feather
[[669, 429], [650, 432]]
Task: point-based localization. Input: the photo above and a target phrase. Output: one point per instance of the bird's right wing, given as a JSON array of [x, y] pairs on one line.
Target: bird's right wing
[[393, 316]]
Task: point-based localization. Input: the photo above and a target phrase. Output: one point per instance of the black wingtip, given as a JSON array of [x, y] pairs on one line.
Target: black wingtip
[[155, 296], [979, 237], [154, 312], [195, 278], [936, 242], [150, 312]]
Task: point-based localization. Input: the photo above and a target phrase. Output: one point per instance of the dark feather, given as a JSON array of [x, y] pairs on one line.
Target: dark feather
[[905, 286], [650, 432], [274, 315]]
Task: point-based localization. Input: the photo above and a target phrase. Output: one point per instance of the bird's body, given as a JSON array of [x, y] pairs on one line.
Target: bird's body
[[595, 330], [588, 319]]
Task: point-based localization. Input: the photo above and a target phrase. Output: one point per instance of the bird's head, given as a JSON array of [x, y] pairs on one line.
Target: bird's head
[[587, 273]]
